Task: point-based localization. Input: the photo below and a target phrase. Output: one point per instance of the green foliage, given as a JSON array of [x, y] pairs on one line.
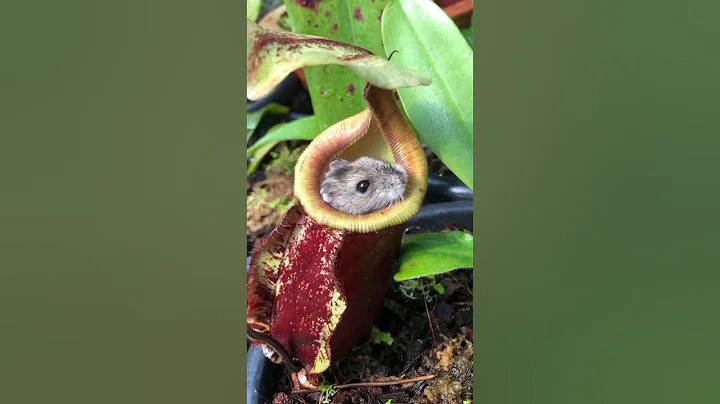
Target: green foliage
[[434, 253], [379, 337], [284, 22], [283, 202], [336, 91], [253, 9], [428, 44], [327, 391], [388, 401], [257, 197], [285, 159], [253, 118], [301, 129], [468, 34], [413, 288], [442, 112]]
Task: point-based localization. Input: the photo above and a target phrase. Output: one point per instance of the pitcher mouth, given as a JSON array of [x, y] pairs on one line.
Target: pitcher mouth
[[380, 131]]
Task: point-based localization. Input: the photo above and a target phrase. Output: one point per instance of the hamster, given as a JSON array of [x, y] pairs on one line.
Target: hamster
[[363, 185]]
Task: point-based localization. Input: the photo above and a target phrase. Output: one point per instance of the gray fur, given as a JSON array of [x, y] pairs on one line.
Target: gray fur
[[387, 185]]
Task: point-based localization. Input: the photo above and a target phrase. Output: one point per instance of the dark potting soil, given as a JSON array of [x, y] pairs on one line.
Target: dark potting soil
[[269, 197], [431, 336]]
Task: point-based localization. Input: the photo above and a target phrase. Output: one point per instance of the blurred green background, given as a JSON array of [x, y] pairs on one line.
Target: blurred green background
[[597, 202]]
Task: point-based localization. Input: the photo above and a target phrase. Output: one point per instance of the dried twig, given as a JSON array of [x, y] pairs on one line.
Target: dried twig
[[430, 323], [373, 384], [266, 339]]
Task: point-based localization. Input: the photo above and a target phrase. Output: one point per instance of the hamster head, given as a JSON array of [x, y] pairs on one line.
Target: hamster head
[[363, 185]]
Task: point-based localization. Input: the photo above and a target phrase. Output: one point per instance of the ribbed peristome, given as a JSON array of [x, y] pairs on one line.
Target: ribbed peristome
[[380, 131]]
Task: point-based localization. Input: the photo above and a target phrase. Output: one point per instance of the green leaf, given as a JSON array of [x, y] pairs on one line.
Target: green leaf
[[257, 159], [301, 129], [379, 337], [434, 253], [253, 9], [283, 21], [336, 91], [253, 118], [468, 34], [442, 113]]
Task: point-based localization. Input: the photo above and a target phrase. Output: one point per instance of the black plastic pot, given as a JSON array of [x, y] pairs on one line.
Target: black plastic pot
[[279, 95], [447, 188], [263, 375]]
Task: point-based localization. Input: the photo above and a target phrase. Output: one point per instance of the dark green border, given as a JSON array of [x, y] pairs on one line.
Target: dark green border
[[122, 242]]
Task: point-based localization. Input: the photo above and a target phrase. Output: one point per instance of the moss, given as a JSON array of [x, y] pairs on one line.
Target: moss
[[379, 337], [451, 362], [413, 288], [284, 160], [267, 202]]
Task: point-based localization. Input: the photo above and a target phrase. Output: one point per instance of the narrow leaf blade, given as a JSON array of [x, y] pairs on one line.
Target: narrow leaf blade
[[301, 129], [253, 118]]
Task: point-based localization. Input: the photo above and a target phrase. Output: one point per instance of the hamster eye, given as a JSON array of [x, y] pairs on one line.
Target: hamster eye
[[362, 186]]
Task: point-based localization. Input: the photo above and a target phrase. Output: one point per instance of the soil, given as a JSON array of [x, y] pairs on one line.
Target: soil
[[429, 337], [268, 200]]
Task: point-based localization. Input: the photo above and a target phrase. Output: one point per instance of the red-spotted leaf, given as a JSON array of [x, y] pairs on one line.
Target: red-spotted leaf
[[272, 55], [335, 91]]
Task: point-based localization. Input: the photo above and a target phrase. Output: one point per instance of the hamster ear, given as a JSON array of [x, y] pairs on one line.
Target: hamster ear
[[328, 197], [324, 189], [339, 163], [326, 192]]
